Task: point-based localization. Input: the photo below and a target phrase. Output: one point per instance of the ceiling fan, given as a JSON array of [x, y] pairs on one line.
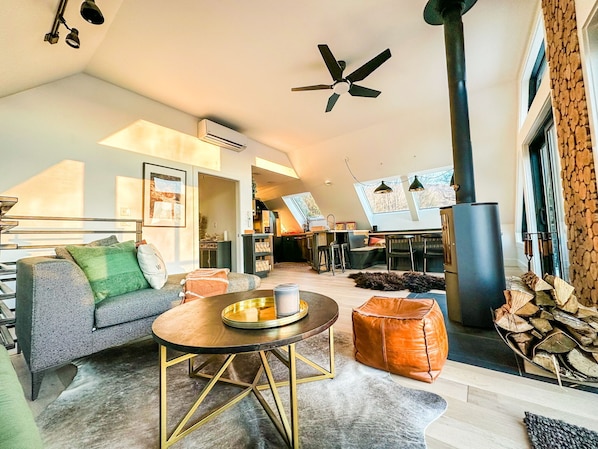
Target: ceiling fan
[[347, 84]]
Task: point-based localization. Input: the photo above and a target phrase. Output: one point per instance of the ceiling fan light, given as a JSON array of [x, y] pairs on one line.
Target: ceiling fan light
[[416, 186], [341, 87], [382, 188], [91, 12], [72, 39]]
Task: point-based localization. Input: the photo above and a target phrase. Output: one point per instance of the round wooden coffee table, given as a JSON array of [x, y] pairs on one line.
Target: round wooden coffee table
[[197, 328]]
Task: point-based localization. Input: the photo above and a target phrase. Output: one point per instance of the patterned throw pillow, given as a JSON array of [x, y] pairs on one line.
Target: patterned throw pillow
[[111, 270], [152, 265]]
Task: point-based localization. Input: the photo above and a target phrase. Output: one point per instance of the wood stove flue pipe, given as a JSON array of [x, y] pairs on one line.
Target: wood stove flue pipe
[[449, 14]]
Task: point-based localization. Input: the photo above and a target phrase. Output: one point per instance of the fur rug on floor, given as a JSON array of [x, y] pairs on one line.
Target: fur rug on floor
[[389, 281], [113, 403]]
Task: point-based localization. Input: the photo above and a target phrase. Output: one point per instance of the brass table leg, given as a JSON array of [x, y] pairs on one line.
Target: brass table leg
[[288, 430]]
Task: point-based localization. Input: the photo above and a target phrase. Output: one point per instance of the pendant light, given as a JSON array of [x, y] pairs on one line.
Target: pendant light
[[382, 188], [416, 186]]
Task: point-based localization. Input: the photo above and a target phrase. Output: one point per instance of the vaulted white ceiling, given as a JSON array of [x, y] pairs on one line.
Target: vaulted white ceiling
[[235, 62]]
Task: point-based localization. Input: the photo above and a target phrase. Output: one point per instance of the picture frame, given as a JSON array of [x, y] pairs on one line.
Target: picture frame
[[164, 196]]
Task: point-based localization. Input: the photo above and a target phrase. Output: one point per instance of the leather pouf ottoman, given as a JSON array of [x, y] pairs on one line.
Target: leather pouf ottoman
[[402, 336]]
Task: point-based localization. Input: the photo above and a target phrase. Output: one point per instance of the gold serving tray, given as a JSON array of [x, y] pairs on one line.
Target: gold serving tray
[[259, 313]]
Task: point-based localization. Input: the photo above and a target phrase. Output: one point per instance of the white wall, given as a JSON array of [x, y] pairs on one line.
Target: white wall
[[51, 159]]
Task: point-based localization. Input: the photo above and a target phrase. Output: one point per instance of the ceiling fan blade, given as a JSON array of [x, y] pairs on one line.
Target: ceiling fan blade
[[335, 69], [316, 87], [331, 102], [359, 91], [369, 66]]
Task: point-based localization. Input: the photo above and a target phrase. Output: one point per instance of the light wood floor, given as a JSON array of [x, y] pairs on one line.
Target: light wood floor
[[485, 408]]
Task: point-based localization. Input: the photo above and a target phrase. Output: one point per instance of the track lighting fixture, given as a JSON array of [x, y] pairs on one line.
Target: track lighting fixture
[[72, 39], [89, 11]]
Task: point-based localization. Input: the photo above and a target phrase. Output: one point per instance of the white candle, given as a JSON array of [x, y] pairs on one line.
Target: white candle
[[225, 236], [286, 299]]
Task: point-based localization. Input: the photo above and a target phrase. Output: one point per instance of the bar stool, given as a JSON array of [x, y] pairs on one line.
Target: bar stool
[[337, 253], [323, 258], [432, 248], [399, 246]]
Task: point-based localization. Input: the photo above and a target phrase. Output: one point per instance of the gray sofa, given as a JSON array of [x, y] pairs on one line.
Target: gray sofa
[[57, 321]]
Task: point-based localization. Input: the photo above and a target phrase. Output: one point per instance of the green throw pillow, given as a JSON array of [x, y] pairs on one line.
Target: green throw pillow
[[111, 270]]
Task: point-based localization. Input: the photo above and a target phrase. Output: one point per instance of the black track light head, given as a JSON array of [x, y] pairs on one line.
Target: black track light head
[[91, 12], [72, 39]]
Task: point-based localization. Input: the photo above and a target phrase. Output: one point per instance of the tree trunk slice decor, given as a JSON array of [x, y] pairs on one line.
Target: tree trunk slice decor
[[572, 124]]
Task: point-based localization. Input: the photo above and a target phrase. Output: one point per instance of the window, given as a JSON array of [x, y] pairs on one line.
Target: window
[[437, 193], [303, 207], [536, 75], [437, 190]]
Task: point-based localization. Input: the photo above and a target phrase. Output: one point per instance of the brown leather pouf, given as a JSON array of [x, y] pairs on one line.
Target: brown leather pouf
[[402, 336]]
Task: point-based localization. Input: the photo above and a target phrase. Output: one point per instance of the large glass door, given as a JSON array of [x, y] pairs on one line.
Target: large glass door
[[548, 203]]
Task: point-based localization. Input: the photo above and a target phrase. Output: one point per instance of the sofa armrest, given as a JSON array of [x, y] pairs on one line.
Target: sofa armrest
[[54, 311]]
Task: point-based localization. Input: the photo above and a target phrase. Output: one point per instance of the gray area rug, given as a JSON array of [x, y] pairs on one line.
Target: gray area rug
[[114, 399], [548, 433]]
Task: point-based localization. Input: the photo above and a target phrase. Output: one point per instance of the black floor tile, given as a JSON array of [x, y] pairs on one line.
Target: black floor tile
[[485, 348]]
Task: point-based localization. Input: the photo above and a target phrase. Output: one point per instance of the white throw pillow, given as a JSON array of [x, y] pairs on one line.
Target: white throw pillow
[[152, 265]]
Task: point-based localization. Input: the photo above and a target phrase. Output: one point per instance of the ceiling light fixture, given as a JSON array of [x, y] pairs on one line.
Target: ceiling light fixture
[[382, 188], [416, 186], [453, 185], [72, 39], [89, 11]]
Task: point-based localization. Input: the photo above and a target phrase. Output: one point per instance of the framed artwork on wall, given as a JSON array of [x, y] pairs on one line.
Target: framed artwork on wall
[[164, 197]]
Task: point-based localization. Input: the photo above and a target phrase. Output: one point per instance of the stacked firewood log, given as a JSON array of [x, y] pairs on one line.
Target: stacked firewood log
[[543, 321]]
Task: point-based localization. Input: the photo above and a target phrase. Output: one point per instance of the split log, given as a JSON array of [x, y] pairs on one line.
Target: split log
[[583, 339], [534, 282], [511, 322], [570, 320], [546, 361], [546, 315], [582, 363], [541, 324], [519, 303], [543, 298], [523, 340], [584, 311], [562, 293], [556, 342], [571, 305]]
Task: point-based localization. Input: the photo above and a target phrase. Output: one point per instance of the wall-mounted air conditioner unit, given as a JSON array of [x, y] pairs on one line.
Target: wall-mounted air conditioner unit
[[222, 136]]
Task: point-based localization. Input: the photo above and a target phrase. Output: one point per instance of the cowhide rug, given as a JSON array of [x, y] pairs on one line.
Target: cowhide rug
[[113, 402], [389, 281]]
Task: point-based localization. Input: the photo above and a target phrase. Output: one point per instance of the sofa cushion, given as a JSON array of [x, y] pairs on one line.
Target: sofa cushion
[[63, 253], [139, 304], [152, 265], [241, 282], [17, 427], [111, 270]]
